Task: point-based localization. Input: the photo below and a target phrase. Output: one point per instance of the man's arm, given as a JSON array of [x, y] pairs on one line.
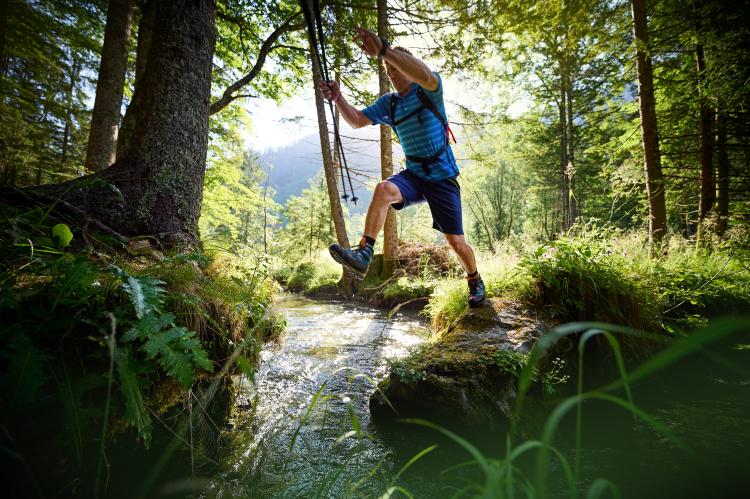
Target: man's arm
[[351, 114], [412, 67]]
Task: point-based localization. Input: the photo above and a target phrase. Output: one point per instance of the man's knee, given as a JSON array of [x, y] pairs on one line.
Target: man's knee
[[457, 242], [386, 192]]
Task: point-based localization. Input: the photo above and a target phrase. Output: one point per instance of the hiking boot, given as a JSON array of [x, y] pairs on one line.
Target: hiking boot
[[476, 291], [355, 259]]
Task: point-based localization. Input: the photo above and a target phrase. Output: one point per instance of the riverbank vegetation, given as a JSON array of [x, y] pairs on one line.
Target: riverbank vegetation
[[146, 223]]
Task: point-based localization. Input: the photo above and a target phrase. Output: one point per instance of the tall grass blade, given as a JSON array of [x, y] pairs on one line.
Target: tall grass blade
[[475, 453], [599, 487], [414, 459], [303, 420]]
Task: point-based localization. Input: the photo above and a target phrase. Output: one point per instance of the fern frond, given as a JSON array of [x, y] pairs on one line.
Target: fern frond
[[136, 414]]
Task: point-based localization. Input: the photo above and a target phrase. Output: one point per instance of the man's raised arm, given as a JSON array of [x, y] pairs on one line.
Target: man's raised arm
[[351, 114], [412, 67]]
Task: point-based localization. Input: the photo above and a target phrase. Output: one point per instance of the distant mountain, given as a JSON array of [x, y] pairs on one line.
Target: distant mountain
[[292, 166]]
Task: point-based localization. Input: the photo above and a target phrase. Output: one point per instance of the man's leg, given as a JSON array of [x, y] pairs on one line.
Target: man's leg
[[464, 252], [386, 193], [358, 260], [469, 263]]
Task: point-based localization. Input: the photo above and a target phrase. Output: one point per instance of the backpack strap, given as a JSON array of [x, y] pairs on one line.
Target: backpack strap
[[427, 102], [394, 101]]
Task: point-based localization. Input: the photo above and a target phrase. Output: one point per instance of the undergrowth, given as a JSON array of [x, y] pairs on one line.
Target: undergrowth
[[94, 337], [602, 274]]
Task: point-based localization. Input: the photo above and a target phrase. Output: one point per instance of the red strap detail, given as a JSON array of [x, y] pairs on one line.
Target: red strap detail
[[449, 131]]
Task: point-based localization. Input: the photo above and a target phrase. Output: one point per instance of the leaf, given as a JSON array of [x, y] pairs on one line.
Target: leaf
[[145, 293], [245, 366], [62, 235], [149, 324], [136, 414], [175, 349]]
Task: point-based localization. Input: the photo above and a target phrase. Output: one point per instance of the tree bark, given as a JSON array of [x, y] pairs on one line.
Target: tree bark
[[145, 32], [156, 186], [105, 120], [570, 167], [564, 193], [649, 133], [722, 181], [75, 69], [390, 230], [4, 14], [707, 181], [337, 213]]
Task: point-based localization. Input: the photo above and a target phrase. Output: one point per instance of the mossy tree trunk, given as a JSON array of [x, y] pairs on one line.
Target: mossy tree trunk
[[722, 170], [105, 118], [156, 186]]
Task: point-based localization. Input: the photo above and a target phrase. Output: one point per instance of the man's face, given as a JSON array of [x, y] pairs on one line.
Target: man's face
[[398, 79]]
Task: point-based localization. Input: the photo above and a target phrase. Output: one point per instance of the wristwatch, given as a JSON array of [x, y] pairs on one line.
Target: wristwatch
[[384, 46]]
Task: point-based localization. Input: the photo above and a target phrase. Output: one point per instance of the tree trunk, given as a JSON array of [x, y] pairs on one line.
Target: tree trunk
[[722, 182], [105, 119], [649, 133], [337, 213], [159, 179], [570, 168], [564, 193], [390, 230], [75, 69], [145, 32], [707, 181], [4, 14]]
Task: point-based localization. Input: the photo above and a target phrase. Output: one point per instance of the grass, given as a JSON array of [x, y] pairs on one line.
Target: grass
[[604, 275], [318, 276], [535, 467]]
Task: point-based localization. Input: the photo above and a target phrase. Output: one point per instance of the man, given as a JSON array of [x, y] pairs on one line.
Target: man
[[417, 113]]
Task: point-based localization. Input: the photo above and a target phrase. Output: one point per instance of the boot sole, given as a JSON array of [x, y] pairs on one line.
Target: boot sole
[[354, 272]]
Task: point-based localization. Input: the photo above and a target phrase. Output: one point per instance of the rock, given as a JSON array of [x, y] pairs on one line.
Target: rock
[[467, 371]]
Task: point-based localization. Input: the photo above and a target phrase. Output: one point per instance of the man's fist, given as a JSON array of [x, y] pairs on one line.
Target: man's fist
[[368, 41], [330, 90]]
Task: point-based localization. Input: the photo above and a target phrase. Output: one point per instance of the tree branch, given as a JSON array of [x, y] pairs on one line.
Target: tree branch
[[229, 94]]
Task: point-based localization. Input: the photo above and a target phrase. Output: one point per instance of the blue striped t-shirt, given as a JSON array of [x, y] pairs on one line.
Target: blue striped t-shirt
[[422, 139]]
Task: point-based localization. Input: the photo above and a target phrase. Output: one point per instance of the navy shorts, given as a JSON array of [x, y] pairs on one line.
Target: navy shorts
[[443, 197]]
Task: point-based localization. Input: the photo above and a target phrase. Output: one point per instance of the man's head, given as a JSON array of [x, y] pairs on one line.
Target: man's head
[[399, 80]]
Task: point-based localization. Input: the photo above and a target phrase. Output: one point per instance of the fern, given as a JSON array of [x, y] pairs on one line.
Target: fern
[[136, 414], [177, 350], [149, 324], [145, 292]]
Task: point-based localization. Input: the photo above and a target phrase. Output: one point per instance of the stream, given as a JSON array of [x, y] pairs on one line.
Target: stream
[[302, 427]]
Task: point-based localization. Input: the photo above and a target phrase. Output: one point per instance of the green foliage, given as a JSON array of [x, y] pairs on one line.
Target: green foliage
[[307, 223], [582, 279], [507, 476], [321, 275], [50, 49], [62, 235], [405, 288], [136, 414], [65, 316]]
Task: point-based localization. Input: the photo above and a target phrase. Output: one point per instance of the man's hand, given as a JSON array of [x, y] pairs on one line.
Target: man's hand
[[368, 41], [331, 90]]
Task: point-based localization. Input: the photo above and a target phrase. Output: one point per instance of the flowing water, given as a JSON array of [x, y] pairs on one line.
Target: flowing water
[[303, 427]]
